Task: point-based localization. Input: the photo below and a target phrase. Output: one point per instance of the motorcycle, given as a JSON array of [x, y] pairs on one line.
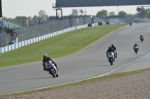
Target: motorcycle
[[136, 48], [142, 38], [130, 24], [110, 56], [115, 54], [51, 68]]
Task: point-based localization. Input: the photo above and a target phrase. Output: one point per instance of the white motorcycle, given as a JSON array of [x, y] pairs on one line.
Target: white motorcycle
[[110, 56], [51, 68]]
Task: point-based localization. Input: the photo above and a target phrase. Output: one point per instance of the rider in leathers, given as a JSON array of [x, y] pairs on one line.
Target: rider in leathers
[[135, 45], [130, 23], [45, 59], [115, 50], [110, 49], [141, 36]]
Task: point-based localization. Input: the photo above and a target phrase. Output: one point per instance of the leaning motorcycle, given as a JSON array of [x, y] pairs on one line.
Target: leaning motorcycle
[[136, 48], [130, 24], [110, 56], [51, 68]]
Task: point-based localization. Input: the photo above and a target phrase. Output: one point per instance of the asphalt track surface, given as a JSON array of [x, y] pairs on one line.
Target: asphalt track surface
[[87, 63]]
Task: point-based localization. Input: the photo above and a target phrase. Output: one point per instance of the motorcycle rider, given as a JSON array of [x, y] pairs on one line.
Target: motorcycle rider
[[115, 50], [45, 59], [130, 23], [113, 46], [110, 49], [141, 36], [135, 45]]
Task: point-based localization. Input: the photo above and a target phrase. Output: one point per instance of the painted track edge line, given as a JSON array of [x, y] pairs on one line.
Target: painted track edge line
[[81, 80], [20, 65]]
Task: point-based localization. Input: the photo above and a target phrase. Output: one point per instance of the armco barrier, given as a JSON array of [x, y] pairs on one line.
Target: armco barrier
[[33, 40], [107, 23], [92, 24], [101, 23]]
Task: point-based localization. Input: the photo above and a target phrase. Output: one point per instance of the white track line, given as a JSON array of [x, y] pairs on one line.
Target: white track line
[[85, 79], [62, 56]]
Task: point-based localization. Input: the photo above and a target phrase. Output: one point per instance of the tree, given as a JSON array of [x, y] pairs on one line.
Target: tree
[[112, 13], [130, 15], [15, 21], [24, 20], [102, 14], [35, 19], [29, 20], [21, 20], [42, 15], [122, 14], [143, 12]]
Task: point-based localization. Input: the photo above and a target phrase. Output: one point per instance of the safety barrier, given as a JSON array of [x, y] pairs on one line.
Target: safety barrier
[[36, 39]]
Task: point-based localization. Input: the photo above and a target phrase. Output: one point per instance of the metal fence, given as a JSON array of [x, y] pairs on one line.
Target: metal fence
[[51, 26], [3, 39], [46, 27]]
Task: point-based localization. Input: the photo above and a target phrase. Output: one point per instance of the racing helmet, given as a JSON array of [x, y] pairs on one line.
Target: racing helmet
[[112, 45], [45, 55]]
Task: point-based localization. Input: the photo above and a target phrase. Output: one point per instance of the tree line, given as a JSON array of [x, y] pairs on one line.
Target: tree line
[[25, 21], [122, 14], [42, 16]]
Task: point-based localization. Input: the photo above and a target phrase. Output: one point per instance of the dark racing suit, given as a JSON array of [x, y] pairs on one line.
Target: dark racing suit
[[115, 51], [141, 36], [47, 59], [109, 50], [130, 23], [114, 48], [135, 46]]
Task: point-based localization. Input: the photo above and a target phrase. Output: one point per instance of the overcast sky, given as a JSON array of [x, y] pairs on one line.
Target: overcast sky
[[13, 8]]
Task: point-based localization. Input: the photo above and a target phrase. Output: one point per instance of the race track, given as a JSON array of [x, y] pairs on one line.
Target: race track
[[87, 63]]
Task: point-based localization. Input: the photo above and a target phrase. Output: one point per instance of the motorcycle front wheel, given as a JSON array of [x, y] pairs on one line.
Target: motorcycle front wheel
[[111, 61], [52, 72]]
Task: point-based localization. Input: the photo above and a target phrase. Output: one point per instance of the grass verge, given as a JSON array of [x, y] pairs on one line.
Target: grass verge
[[57, 46]]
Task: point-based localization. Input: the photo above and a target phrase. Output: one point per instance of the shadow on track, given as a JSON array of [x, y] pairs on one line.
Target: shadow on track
[[38, 78]]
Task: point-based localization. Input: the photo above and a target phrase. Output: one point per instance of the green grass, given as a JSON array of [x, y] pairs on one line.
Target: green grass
[[58, 43], [57, 46]]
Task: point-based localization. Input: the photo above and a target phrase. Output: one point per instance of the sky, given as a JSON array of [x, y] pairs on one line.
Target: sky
[[13, 8]]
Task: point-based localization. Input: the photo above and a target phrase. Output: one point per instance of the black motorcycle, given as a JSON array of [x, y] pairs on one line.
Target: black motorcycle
[[130, 23], [142, 38], [136, 48], [51, 68]]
